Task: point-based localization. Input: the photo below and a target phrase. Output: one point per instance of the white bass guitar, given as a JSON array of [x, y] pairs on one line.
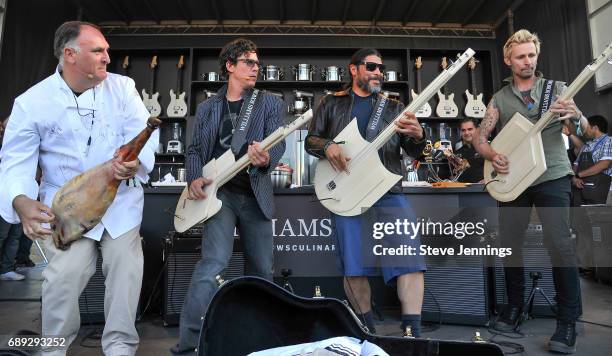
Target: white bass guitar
[[191, 212], [446, 101], [150, 100], [177, 106], [425, 110], [475, 107]]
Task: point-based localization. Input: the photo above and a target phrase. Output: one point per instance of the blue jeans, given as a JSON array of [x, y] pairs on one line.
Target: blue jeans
[[9, 243], [217, 247], [552, 201]]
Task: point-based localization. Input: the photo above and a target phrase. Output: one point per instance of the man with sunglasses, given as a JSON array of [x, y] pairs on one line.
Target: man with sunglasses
[[362, 99], [238, 117]]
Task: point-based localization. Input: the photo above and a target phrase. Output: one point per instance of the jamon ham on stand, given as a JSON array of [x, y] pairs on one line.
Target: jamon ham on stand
[[80, 204]]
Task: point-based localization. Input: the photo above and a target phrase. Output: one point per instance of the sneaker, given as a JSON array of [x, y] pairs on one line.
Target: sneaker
[[12, 276], [508, 319], [564, 338]]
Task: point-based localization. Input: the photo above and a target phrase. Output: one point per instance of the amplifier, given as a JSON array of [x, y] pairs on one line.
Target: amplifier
[[536, 259], [600, 217], [91, 301], [181, 253], [457, 293]]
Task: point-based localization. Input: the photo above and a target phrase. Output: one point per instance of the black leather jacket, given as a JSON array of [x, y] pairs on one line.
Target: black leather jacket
[[334, 113]]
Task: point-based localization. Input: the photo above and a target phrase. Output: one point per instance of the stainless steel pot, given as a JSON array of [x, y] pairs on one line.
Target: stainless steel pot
[[272, 73], [303, 72], [281, 178], [211, 76], [391, 76], [332, 74]]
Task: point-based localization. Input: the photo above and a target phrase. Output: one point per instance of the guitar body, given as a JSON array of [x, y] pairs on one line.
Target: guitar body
[[425, 110], [474, 107], [446, 105], [151, 103], [191, 212], [350, 194], [177, 106], [525, 153]]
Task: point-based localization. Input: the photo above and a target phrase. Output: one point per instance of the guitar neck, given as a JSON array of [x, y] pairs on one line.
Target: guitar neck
[[573, 88], [179, 81], [473, 79], [418, 80], [274, 138], [152, 84], [423, 98]]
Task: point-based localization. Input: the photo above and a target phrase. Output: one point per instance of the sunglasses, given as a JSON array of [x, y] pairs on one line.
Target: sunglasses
[[371, 66], [250, 62]]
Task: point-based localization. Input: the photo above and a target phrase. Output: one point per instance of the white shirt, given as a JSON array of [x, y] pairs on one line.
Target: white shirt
[[45, 129]]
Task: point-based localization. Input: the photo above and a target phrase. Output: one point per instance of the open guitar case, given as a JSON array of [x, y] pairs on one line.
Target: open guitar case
[[251, 314]]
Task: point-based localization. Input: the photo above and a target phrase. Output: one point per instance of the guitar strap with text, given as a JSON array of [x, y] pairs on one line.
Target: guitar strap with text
[[244, 121], [374, 122], [545, 98]]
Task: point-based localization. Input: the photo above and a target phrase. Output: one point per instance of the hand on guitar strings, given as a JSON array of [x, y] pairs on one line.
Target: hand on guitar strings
[[258, 157], [409, 126], [196, 188], [336, 157], [566, 109], [500, 163]]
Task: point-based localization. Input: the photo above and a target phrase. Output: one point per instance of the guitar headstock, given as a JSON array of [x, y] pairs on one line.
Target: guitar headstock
[[154, 62], [418, 63], [126, 62], [472, 63], [444, 64], [181, 62]]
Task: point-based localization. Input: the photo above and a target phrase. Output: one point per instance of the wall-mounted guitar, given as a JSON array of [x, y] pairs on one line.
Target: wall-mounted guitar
[[178, 106], [191, 212], [521, 142], [353, 191], [150, 101], [126, 65], [446, 105], [474, 107], [425, 110]]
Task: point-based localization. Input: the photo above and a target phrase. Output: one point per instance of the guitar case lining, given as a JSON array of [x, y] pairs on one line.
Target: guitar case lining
[[251, 314]]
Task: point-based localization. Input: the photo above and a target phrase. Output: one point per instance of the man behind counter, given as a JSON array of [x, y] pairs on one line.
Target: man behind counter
[[474, 174]]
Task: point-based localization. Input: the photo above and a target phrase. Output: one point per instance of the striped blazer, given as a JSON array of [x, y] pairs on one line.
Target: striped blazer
[[266, 117]]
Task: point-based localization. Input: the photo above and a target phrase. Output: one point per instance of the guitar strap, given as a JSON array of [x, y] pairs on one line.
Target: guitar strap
[[244, 121], [374, 122], [545, 98]]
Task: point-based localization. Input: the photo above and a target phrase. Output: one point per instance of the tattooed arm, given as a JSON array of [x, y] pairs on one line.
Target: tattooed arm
[[481, 143]]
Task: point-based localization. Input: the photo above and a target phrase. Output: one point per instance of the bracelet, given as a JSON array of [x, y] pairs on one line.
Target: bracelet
[[327, 144]]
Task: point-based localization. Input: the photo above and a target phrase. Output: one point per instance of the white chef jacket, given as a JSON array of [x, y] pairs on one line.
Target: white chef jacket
[[45, 129]]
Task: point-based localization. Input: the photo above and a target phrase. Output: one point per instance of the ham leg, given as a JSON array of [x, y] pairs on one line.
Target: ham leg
[[80, 204]]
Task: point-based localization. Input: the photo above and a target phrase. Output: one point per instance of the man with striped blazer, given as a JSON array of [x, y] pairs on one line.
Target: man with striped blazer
[[237, 118]]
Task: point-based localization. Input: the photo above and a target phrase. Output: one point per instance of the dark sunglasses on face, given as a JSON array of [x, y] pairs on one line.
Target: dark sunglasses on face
[[249, 62], [371, 66]]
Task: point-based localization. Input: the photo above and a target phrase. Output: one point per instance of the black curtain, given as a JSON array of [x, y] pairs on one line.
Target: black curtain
[[562, 26], [27, 45]]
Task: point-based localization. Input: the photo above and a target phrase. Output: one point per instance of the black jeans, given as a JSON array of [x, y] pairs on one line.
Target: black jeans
[[552, 201]]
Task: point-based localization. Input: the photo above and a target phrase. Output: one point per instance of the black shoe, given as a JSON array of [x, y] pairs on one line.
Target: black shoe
[[564, 338], [26, 263], [508, 319]]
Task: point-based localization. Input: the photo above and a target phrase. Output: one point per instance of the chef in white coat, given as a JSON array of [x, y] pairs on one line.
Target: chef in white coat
[[68, 123]]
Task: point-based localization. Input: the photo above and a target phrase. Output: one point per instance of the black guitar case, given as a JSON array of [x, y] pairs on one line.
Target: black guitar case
[[251, 314]]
